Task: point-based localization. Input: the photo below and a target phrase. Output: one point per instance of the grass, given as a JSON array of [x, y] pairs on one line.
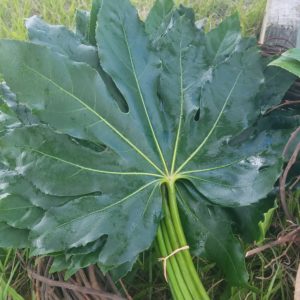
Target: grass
[[13, 279], [271, 272], [14, 12]]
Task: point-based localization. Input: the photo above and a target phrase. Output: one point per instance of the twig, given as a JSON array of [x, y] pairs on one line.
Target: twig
[[125, 290], [21, 259], [214, 285], [52, 295], [112, 285], [77, 279], [73, 287], [291, 139], [268, 277], [284, 253], [46, 273], [65, 293], [86, 283], [84, 278], [282, 182], [294, 183], [292, 236], [284, 103], [37, 283], [93, 279], [297, 285], [75, 295]]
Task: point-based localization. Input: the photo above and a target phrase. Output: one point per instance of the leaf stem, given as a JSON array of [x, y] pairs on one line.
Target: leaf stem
[[174, 262], [182, 240], [179, 256], [175, 290], [174, 233], [203, 143]]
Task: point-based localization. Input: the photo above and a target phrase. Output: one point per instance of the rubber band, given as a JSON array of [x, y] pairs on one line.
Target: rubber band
[[165, 259]]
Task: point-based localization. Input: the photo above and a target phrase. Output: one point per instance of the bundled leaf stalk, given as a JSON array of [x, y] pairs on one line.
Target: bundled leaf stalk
[[183, 277], [126, 134]]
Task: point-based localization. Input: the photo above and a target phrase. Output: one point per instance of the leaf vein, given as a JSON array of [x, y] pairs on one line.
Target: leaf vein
[[91, 169], [142, 99], [98, 115], [109, 206], [203, 143]]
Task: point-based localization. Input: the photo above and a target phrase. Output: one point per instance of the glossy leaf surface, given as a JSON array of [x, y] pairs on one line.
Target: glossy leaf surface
[[290, 61], [116, 120]]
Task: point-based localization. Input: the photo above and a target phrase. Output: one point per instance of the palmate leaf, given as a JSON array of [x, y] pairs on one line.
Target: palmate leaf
[[119, 119]]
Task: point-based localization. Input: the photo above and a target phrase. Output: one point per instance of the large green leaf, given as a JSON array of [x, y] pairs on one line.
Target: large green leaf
[[12, 237], [65, 42], [61, 40], [77, 258], [96, 5], [82, 24], [117, 121], [14, 111], [277, 83], [157, 15], [211, 237], [290, 61], [8, 118]]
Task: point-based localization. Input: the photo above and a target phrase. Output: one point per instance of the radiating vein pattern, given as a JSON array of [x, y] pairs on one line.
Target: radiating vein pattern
[[215, 125], [82, 102], [181, 112], [104, 130], [111, 205], [143, 101], [83, 168], [213, 168]]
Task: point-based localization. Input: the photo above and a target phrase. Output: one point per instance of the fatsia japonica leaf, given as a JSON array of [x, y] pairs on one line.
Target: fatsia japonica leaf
[[158, 15], [11, 107], [63, 41], [96, 6], [14, 238], [82, 20], [122, 110], [277, 83], [77, 258], [7, 117], [211, 237], [289, 60]]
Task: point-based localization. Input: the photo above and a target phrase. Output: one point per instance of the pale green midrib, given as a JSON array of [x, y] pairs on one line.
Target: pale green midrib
[[143, 103], [181, 113], [149, 198], [109, 206], [219, 183], [99, 116], [213, 127], [91, 169], [197, 218], [212, 168]]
